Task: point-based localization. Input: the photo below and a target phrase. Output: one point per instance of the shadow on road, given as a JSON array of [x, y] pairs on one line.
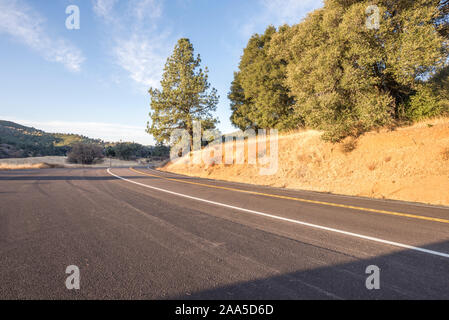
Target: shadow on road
[[405, 274], [67, 178]]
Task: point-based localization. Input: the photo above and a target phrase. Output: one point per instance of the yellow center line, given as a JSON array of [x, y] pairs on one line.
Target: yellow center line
[[392, 213]]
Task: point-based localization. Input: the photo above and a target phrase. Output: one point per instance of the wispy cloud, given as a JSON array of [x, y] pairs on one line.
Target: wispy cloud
[[139, 47], [278, 12], [104, 8], [25, 25], [141, 59], [146, 9]]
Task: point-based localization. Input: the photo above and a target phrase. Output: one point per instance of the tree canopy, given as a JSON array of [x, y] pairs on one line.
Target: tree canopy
[[259, 98], [335, 73]]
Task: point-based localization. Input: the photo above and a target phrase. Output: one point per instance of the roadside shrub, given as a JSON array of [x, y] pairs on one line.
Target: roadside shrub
[[424, 104], [349, 145], [85, 153], [160, 151], [126, 151], [110, 152]]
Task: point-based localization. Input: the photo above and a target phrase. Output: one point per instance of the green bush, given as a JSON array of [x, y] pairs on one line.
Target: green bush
[[424, 104], [110, 152], [130, 151], [160, 151], [85, 153]]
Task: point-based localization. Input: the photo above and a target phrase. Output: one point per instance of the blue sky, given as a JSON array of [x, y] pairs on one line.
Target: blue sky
[[94, 80]]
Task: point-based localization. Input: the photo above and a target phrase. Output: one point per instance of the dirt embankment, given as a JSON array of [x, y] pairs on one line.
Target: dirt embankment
[[410, 163]]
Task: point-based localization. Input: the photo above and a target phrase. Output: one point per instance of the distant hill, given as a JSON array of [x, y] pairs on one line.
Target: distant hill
[[17, 141]]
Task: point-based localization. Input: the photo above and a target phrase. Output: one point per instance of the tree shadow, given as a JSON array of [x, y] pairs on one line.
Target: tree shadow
[[404, 275], [12, 176], [66, 178]]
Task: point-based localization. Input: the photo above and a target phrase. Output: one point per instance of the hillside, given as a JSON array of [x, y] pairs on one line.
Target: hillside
[[409, 163], [17, 141]]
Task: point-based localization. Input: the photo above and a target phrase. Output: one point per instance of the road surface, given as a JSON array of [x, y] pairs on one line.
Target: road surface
[[143, 234]]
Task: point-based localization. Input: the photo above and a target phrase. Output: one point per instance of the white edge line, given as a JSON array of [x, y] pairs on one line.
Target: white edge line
[[396, 244]]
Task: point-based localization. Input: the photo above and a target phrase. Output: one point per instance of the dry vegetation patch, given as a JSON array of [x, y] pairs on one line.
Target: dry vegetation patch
[[409, 163], [61, 162], [349, 145], [6, 166], [445, 154]]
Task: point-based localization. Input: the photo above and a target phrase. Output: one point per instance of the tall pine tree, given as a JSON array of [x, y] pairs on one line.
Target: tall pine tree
[[185, 95]]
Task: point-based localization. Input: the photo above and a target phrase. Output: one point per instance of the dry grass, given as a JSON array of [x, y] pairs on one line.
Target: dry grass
[[4, 166], [60, 162], [409, 163], [445, 154]]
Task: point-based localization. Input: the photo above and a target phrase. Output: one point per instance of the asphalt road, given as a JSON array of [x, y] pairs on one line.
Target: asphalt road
[[150, 235]]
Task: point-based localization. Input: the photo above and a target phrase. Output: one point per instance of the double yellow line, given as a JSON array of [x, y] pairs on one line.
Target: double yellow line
[[330, 204]]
